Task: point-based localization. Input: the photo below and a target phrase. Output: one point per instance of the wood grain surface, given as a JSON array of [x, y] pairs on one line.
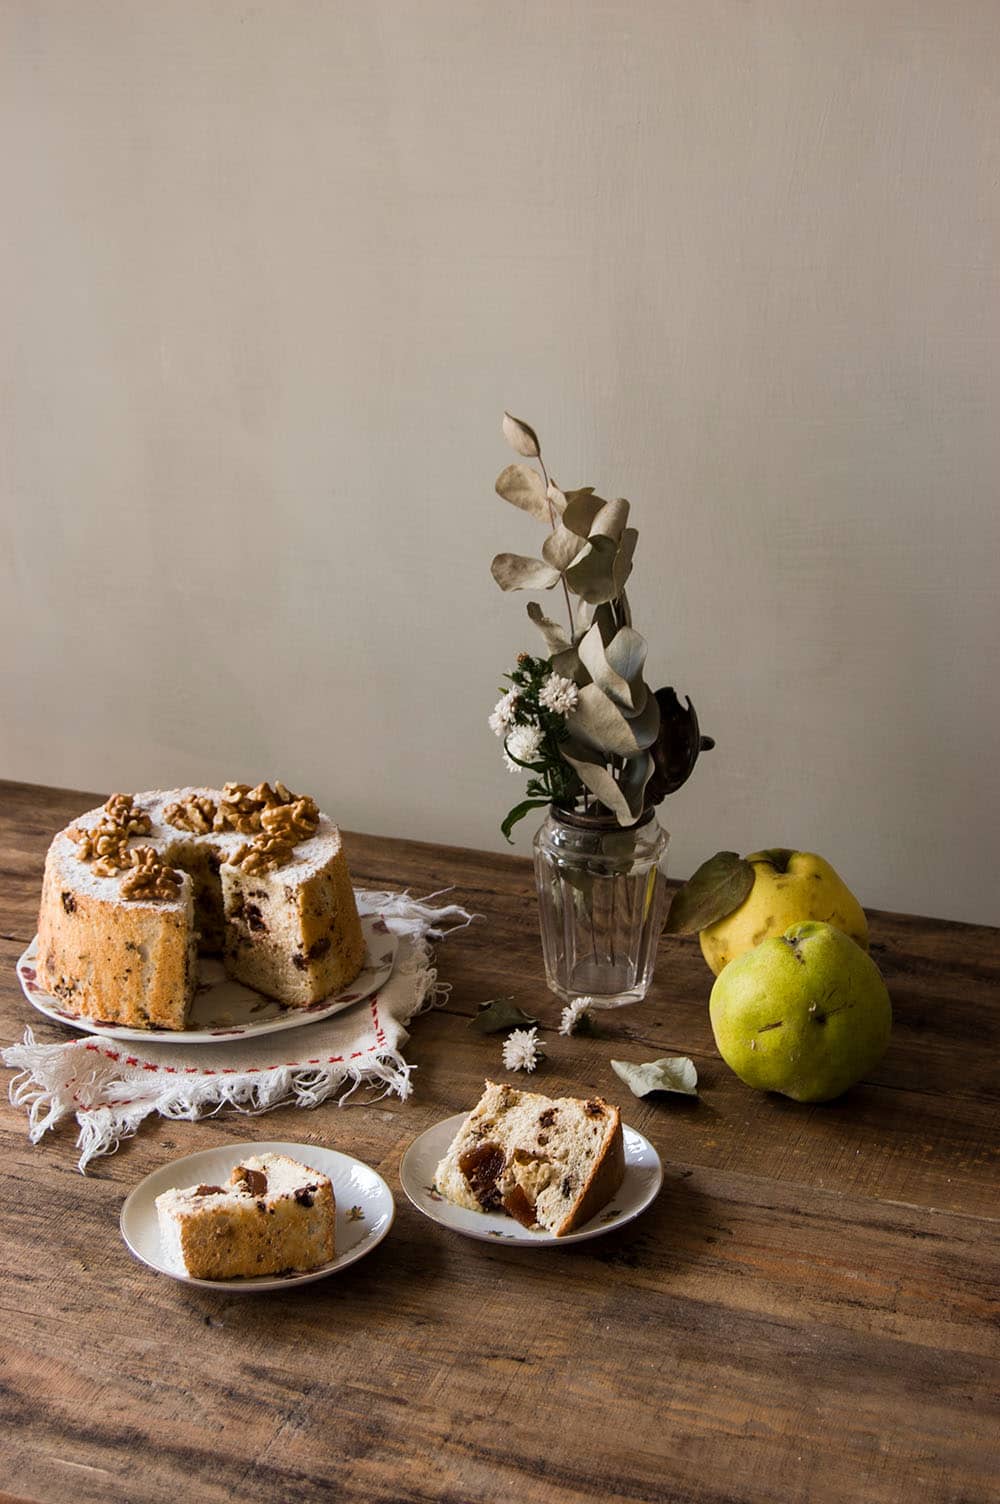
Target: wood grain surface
[[809, 1312]]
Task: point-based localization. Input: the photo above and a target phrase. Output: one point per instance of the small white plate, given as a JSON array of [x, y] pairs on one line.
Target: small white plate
[[224, 1009], [643, 1178], [365, 1209]]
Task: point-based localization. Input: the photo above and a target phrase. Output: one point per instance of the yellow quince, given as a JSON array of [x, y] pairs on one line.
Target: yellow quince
[[788, 887]]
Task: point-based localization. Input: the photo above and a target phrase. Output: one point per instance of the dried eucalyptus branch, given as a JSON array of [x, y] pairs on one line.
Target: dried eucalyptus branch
[[584, 721]]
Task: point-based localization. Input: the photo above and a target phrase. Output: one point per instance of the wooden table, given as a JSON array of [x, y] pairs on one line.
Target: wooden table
[[808, 1312]]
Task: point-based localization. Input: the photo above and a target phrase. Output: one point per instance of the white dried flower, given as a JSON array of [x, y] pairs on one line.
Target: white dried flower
[[522, 1050], [559, 695], [503, 713], [569, 1019], [524, 743]]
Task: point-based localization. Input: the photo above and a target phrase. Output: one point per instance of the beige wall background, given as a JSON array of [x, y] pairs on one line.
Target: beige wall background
[[270, 273]]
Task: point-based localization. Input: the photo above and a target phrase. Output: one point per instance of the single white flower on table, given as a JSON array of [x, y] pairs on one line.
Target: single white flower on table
[[503, 713], [523, 743], [522, 1050], [569, 1019], [559, 695]]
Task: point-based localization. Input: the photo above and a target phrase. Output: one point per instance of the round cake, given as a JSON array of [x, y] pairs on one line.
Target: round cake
[[135, 890]]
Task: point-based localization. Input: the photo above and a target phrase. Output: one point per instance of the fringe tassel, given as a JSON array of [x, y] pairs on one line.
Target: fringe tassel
[[50, 1088], [415, 916]]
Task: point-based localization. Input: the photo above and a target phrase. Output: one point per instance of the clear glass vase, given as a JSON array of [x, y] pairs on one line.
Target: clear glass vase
[[601, 901]]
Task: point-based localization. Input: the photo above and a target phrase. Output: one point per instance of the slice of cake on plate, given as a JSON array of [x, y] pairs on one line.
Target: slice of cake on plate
[[274, 1214], [550, 1162]]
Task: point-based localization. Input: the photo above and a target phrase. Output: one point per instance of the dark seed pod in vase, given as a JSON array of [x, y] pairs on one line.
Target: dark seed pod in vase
[[677, 746]]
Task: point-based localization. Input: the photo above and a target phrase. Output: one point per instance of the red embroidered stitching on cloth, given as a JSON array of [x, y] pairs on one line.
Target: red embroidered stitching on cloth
[[194, 1070]]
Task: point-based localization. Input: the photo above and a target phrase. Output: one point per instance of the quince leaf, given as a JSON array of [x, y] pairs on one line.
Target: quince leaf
[[717, 889], [676, 1073], [498, 1014]]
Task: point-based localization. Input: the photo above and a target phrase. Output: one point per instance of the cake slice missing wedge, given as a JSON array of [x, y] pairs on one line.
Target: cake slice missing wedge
[[274, 1214], [550, 1162]]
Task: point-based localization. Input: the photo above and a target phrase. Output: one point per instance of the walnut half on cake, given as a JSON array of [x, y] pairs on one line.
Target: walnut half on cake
[[275, 1214], [550, 1162]]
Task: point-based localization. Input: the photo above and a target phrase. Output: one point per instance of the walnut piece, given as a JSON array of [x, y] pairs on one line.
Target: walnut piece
[[276, 812], [122, 811], [195, 813], [237, 810], [263, 854], [105, 845], [149, 877], [291, 822]]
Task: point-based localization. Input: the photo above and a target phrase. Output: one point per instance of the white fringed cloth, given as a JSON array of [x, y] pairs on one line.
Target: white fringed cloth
[[112, 1086]]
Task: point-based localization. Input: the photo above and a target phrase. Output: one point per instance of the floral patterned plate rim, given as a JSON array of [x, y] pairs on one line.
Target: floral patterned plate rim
[[643, 1178], [365, 1209], [224, 1009]]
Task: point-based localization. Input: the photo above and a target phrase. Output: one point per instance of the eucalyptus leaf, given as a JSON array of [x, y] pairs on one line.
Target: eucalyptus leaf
[[567, 664], [516, 572], [595, 776], [626, 654], [622, 567], [581, 618], [627, 690], [635, 775], [717, 888], [555, 636], [521, 437], [561, 547], [604, 617], [557, 497], [610, 520], [672, 1073], [524, 488], [498, 1014], [625, 798], [581, 509], [592, 575], [599, 722]]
